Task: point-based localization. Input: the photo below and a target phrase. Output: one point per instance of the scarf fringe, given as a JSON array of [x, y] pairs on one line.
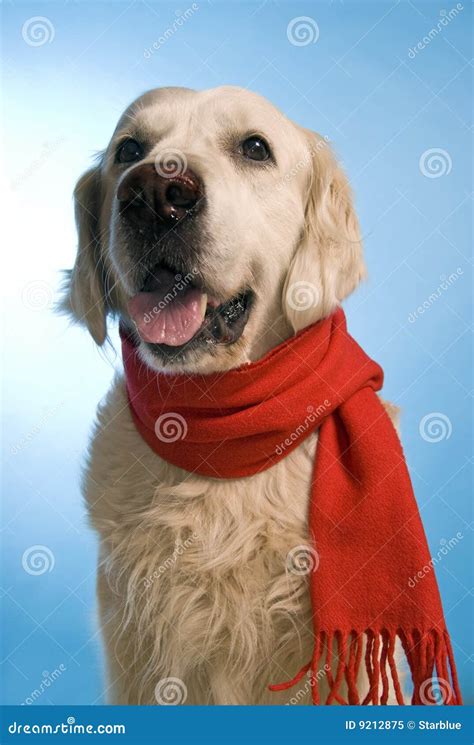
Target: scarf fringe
[[429, 656]]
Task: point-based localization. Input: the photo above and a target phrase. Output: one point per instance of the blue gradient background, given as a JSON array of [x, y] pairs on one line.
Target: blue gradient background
[[382, 110]]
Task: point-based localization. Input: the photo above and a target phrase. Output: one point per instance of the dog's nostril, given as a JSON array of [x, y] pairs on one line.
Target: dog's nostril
[[179, 195]]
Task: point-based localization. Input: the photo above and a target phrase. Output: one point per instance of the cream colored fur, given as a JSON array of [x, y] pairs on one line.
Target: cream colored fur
[[193, 578]]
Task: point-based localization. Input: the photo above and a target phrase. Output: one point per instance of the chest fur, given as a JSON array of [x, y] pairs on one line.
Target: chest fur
[[203, 569]]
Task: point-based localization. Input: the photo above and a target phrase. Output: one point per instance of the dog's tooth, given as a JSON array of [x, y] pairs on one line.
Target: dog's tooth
[[203, 304]]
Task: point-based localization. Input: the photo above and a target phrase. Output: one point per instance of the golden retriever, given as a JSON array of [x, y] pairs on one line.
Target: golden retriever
[[197, 603]]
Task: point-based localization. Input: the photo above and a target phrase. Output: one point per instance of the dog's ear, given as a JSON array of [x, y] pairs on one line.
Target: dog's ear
[[328, 263], [85, 298]]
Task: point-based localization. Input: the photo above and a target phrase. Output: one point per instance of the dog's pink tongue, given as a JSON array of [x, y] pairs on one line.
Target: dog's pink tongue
[[167, 316]]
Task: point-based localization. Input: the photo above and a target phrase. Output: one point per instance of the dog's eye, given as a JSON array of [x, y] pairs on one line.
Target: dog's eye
[[255, 148], [129, 151]]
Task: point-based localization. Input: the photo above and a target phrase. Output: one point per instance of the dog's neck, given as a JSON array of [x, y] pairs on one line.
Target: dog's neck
[[271, 335]]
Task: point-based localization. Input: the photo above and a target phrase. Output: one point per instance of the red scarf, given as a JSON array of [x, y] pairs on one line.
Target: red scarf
[[363, 517]]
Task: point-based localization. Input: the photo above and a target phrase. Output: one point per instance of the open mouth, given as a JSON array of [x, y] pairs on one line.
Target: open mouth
[[173, 311]]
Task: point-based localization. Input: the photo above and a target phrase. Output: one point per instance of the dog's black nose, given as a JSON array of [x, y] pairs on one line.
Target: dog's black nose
[[148, 193]]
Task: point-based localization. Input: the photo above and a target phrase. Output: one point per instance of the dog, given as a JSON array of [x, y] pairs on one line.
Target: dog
[[221, 192]]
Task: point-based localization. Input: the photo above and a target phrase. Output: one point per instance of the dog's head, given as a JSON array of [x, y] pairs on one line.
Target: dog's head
[[214, 227]]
